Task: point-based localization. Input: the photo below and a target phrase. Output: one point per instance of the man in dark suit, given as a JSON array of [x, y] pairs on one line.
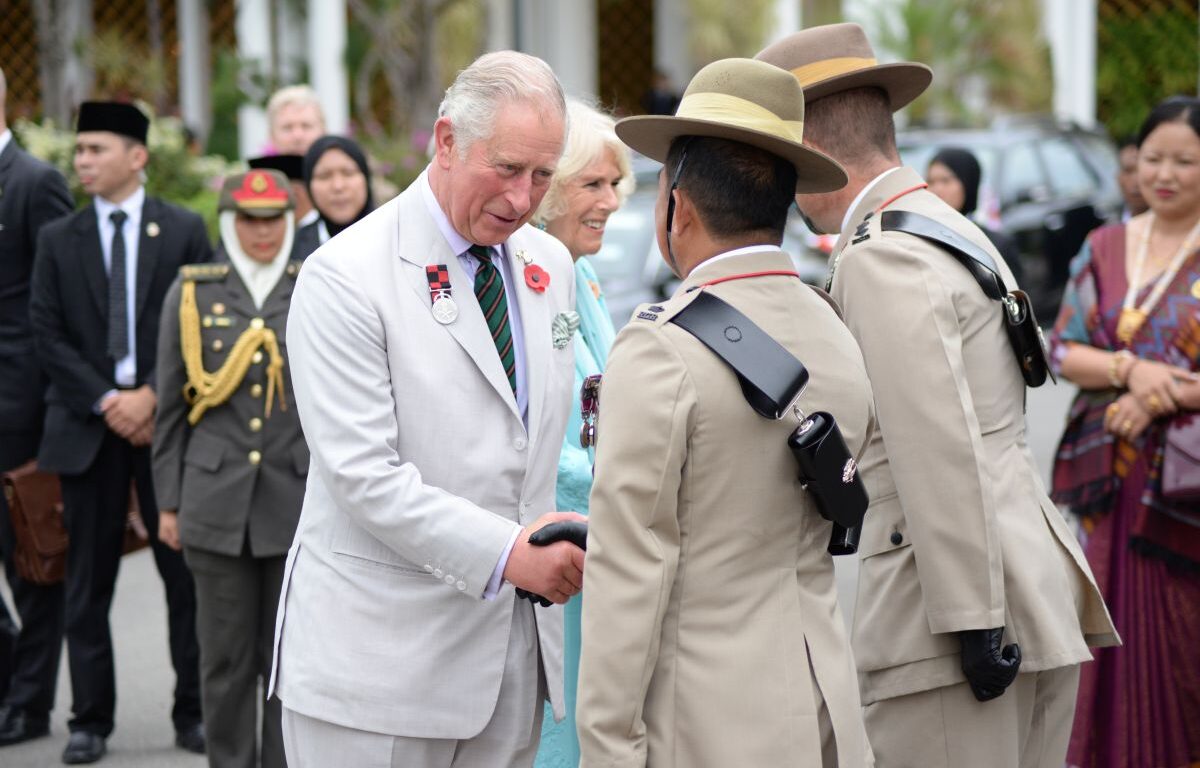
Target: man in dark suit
[[32, 193], [98, 287]]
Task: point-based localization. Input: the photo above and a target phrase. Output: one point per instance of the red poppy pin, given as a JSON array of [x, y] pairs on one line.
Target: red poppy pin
[[536, 278]]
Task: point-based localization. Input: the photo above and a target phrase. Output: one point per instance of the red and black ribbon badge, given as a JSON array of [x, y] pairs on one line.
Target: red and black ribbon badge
[[439, 281]]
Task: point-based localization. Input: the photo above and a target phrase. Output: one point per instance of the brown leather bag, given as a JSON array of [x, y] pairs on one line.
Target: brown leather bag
[[35, 506]]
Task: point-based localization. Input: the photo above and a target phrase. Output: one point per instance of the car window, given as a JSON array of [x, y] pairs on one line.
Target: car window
[[1068, 173], [1021, 176]]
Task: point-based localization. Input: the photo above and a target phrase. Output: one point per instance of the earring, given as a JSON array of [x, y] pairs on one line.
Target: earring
[[541, 225]]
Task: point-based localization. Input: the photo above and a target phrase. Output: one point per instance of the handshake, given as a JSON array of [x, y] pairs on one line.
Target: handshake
[[546, 562]]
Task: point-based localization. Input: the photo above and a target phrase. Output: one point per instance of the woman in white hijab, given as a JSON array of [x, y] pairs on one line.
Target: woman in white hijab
[[230, 461]]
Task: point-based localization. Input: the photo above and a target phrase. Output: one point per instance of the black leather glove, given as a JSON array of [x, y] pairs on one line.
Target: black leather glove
[[567, 530], [988, 668]]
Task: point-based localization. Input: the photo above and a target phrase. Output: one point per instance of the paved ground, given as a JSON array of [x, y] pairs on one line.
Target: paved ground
[[144, 737]]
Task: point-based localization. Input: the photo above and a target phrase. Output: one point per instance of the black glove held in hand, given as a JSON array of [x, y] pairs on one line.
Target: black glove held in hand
[[571, 531], [989, 669]]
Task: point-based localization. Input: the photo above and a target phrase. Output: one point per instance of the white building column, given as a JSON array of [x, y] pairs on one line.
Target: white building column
[[253, 27], [672, 25], [786, 20], [500, 33], [195, 102], [1070, 27], [327, 61], [563, 33]]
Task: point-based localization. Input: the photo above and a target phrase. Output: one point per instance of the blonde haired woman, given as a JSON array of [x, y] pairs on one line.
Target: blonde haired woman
[[592, 181]]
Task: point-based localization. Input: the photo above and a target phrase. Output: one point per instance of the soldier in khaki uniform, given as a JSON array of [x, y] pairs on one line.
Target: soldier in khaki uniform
[[975, 604], [711, 629], [230, 461]]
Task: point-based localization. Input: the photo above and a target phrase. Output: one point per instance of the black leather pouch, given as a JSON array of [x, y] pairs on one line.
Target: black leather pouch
[[828, 470], [1026, 338]]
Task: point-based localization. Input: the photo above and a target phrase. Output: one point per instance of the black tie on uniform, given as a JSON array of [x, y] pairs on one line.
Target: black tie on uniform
[[118, 320]]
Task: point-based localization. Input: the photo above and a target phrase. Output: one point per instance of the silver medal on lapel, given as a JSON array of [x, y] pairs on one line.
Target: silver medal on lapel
[[445, 311]]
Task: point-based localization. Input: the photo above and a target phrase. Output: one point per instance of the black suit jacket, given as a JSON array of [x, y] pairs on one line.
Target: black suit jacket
[[69, 313], [32, 193]]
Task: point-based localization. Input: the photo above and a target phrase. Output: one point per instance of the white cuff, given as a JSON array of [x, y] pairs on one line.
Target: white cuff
[[497, 580], [97, 407]]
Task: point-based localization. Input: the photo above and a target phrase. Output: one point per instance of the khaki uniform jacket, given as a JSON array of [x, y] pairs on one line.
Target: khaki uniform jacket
[[237, 475], [711, 628], [960, 533]]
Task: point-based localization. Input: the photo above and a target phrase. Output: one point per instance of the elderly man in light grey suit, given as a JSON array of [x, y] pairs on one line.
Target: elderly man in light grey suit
[[434, 398]]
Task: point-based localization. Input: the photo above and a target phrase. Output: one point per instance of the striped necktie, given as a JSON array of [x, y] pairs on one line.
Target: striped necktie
[[489, 289]]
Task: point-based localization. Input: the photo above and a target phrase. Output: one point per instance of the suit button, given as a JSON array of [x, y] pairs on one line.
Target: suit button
[[449, 578], [897, 538], [256, 424], [255, 457], [218, 345], [257, 358], [256, 390], [428, 568], [437, 573], [256, 323], [460, 586], [519, 443]]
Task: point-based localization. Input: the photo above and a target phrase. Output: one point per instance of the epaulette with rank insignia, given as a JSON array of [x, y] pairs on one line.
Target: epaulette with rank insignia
[[203, 273], [862, 231]]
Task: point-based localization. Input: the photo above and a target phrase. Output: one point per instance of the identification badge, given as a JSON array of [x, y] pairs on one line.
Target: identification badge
[[589, 409], [445, 311]]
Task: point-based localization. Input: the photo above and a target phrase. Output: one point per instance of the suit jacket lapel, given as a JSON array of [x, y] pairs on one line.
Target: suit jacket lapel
[[6, 159], [148, 249], [91, 258], [421, 244], [535, 326]]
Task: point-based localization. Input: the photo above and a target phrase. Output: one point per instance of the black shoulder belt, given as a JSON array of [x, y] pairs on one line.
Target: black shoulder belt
[[1024, 333], [771, 379]]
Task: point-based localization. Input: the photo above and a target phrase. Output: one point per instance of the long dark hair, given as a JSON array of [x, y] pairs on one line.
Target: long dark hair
[[351, 148], [1177, 109]]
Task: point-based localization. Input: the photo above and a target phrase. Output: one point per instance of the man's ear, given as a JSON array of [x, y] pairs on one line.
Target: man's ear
[[443, 142], [685, 213], [139, 155]]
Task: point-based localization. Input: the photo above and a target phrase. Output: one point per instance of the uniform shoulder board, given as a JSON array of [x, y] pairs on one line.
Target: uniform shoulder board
[[649, 312], [293, 267], [862, 231], [203, 273]]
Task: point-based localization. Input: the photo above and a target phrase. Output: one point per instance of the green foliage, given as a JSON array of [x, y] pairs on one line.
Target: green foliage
[[965, 43], [1144, 55], [172, 174], [721, 29]]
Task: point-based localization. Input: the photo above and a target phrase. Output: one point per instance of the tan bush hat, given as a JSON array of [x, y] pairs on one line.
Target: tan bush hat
[[740, 100], [837, 57]]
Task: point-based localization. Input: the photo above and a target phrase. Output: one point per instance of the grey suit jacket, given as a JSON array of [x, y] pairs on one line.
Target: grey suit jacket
[[422, 470], [237, 476], [960, 533]]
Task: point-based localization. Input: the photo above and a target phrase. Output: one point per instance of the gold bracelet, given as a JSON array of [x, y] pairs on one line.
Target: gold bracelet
[[1114, 368]]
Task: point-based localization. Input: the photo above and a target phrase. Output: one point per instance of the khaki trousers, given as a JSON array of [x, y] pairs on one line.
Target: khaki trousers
[[509, 740], [1028, 727]]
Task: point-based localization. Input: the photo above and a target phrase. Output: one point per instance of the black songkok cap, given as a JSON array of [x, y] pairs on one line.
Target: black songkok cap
[[115, 117], [291, 166]]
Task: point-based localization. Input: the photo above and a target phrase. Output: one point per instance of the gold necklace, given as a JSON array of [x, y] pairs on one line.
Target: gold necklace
[[1132, 318]]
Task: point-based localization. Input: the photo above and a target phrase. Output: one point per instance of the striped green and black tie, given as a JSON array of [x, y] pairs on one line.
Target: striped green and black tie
[[489, 289]]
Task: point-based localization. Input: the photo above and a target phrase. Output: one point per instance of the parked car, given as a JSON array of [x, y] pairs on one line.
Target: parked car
[[1045, 184]]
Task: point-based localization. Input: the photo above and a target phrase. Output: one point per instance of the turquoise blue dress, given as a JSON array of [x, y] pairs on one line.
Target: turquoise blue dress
[[560, 746]]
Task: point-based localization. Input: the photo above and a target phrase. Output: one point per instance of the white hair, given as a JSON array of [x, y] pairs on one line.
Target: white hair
[[495, 79], [592, 134], [299, 95]]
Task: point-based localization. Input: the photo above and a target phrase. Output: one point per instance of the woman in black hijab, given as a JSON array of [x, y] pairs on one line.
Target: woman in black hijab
[[953, 175], [339, 184]]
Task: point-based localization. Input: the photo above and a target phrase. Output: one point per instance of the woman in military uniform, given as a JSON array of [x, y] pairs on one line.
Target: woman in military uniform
[[230, 460]]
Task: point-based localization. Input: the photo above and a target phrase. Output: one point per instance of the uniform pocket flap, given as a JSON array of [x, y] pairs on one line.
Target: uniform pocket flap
[[204, 451]]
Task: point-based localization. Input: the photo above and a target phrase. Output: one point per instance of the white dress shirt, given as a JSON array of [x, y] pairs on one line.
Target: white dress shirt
[[126, 368], [743, 251], [861, 194], [4, 139]]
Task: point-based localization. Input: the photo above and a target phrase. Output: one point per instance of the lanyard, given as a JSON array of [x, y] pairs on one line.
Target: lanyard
[[885, 204], [745, 275]]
